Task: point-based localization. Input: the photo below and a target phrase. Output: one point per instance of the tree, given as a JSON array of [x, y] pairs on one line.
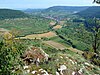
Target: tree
[[96, 35], [94, 26], [10, 52], [96, 1]]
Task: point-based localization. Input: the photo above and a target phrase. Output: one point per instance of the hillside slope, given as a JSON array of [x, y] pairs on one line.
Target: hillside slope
[[90, 12], [9, 13], [55, 11], [66, 8]]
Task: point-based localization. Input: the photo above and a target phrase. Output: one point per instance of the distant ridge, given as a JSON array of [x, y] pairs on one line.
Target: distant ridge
[[90, 12], [58, 9], [67, 8], [9, 13], [32, 10]]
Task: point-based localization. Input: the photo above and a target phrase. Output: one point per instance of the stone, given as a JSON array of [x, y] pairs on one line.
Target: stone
[[62, 67], [73, 73], [57, 73], [33, 72], [25, 67], [28, 71]]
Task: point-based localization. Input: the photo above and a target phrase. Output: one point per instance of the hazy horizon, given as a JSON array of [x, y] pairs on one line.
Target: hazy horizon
[[24, 4]]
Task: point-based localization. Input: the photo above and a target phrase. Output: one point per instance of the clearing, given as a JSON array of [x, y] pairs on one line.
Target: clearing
[[52, 23], [57, 27]]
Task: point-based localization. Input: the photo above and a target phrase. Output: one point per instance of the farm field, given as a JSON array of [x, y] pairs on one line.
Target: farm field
[[39, 36], [2, 30], [59, 46], [52, 23], [57, 27], [26, 25], [55, 45]]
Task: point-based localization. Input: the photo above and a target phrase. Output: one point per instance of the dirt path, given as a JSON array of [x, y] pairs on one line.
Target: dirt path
[[61, 47]]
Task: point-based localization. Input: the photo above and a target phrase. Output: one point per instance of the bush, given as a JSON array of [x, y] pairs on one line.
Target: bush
[[96, 61], [92, 57], [10, 56]]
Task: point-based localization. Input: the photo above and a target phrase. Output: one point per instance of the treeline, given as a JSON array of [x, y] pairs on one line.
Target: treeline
[[10, 14]]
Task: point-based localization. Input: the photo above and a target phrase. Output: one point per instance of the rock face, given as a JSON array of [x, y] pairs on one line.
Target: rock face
[[34, 55]]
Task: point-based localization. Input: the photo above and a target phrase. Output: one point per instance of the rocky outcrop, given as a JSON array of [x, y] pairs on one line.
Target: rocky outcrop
[[34, 55]]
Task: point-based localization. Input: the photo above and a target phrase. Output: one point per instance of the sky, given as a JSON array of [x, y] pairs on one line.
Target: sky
[[23, 4]]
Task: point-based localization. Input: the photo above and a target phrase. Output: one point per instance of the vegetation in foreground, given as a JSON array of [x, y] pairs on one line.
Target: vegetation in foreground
[[19, 53]]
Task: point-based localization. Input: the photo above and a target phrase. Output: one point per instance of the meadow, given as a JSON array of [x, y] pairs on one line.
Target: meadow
[[26, 25]]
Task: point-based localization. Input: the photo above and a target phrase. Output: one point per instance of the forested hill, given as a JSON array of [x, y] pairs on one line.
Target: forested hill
[[54, 9], [9, 13], [66, 8], [90, 12]]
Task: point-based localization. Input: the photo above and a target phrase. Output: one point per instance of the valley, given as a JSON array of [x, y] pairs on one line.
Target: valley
[[59, 40]]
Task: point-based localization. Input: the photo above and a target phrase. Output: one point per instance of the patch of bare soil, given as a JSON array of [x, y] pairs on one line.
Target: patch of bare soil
[[57, 27], [39, 36], [52, 23]]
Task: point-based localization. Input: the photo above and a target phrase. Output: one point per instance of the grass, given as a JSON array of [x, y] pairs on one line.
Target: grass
[[60, 57], [79, 44], [26, 25], [59, 40]]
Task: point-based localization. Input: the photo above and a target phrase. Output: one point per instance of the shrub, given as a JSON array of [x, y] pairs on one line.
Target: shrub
[[94, 58]]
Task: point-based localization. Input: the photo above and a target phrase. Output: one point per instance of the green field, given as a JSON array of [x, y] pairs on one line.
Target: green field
[[26, 25]]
